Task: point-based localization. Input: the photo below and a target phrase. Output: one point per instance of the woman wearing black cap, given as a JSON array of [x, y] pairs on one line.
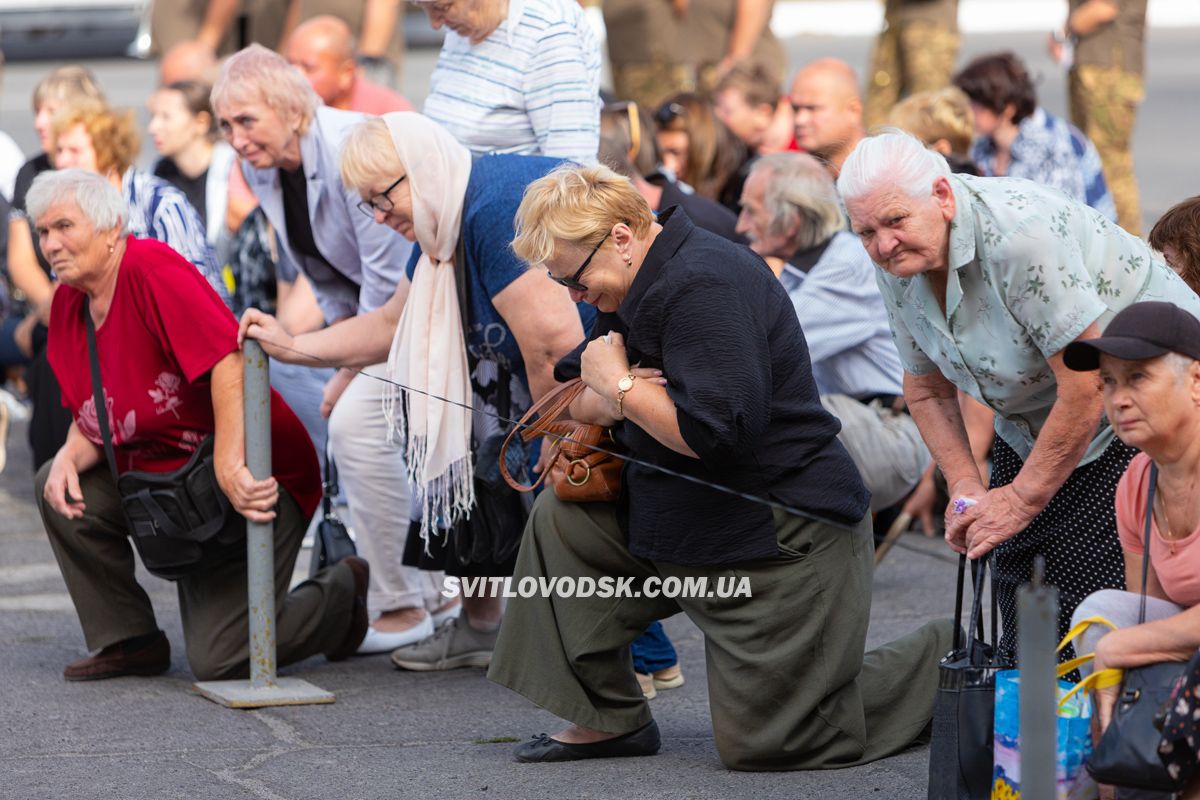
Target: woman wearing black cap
[[1149, 362]]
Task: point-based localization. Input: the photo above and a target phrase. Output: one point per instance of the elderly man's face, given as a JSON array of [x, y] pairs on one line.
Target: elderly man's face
[[1149, 402], [755, 221], [464, 17], [905, 235], [75, 249]]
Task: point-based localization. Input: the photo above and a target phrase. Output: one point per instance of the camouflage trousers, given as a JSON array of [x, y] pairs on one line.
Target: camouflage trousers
[[916, 57], [1104, 103]]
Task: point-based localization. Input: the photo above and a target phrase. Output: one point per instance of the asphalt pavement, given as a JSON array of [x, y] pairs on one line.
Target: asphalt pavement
[[394, 734]]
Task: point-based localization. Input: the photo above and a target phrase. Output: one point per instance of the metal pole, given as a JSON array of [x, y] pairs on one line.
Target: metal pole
[[1037, 614], [264, 688], [260, 536]]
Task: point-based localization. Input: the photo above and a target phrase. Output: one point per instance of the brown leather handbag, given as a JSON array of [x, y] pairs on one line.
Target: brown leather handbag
[[578, 472]]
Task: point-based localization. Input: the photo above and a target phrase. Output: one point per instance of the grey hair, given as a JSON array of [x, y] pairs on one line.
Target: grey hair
[[800, 192], [1179, 362], [891, 159], [96, 197], [256, 73]]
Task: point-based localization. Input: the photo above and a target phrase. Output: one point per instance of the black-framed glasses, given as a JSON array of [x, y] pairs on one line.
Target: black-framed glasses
[[573, 281], [380, 202]]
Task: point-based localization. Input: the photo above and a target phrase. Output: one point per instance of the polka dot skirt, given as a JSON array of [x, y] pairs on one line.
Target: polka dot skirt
[[1076, 533]]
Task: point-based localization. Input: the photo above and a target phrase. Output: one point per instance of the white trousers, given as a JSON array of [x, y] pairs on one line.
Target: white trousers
[[372, 477], [1121, 609]]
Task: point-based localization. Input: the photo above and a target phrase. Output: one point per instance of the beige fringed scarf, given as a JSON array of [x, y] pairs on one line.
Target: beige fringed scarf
[[428, 351]]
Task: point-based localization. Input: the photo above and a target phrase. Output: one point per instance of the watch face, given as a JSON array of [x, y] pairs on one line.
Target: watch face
[[625, 384]]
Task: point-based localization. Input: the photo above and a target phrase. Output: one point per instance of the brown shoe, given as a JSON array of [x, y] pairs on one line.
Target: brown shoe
[[144, 655], [359, 621]]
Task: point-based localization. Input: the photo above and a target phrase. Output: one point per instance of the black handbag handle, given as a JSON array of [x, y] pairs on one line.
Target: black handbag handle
[[1146, 537], [329, 486], [98, 390], [978, 570]]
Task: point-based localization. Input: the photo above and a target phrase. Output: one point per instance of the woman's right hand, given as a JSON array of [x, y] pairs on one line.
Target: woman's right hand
[[956, 529], [62, 490], [267, 331]]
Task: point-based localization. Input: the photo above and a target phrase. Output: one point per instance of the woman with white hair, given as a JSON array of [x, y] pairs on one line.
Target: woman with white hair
[[289, 146], [985, 282], [476, 329], [134, 322]]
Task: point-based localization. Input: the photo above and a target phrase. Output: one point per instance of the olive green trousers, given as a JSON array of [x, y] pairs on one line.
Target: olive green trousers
[[789, 686]]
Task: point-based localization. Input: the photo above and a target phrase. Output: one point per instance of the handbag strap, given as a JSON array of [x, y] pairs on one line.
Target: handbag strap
[[1146, 538], [550, 407], [329, 486], [98, 390]]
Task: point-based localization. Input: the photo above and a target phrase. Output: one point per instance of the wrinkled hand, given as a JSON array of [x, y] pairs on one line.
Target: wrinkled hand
[[998, 516], [62, 490], [920, 503], [253, 499], [267, 331], [603, 364], [954, 522], [333, 390]]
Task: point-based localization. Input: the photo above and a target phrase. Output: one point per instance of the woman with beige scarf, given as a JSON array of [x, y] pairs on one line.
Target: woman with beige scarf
[[416, 179]]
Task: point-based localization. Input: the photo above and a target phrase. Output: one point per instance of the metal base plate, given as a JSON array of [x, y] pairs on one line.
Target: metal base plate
[[283, 692]]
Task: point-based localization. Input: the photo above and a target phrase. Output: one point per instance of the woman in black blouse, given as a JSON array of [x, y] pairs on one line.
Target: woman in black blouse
[[789, 686]]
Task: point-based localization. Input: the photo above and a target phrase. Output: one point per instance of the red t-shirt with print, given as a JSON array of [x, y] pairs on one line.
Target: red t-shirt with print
[[165, 331]]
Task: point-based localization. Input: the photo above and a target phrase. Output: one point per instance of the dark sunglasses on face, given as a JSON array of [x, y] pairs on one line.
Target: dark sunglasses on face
[[573, 281], [380, 202]]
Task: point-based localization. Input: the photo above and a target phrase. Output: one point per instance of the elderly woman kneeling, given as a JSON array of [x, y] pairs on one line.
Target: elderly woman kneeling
[[171, 375], [739, 408], [1149, 362]]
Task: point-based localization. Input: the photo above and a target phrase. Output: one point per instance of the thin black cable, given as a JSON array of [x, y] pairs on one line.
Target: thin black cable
[[623, 456]]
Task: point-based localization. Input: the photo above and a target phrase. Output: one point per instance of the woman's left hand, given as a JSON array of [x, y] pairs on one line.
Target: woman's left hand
[[603, 364], [253, 499], [997, 517]]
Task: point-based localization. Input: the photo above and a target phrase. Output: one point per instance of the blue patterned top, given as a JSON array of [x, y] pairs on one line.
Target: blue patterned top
[[1053, 152]]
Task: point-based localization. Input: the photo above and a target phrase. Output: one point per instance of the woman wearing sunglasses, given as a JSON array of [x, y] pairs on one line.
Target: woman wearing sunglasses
[[498, 356], [739, 409]]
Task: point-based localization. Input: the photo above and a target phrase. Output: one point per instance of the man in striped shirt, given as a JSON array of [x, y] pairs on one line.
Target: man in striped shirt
[[521, 76]]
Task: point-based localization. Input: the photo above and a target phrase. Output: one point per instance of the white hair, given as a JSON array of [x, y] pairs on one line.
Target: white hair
[[800, 192], [1179, 362], [891, 159], [96, 197]]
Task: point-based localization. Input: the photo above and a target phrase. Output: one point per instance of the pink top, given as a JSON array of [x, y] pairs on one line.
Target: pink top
[[1177, 562], [371, 98]]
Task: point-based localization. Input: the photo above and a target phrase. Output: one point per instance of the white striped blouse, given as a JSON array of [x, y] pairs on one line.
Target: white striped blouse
[[532, 87]]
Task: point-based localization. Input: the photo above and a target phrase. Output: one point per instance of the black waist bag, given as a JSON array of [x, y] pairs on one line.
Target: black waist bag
[[180, 521]]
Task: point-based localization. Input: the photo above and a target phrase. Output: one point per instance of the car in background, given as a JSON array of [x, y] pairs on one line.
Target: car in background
[[75, 29]]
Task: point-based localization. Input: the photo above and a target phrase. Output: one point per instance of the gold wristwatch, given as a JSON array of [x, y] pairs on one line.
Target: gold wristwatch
[[623, 386]]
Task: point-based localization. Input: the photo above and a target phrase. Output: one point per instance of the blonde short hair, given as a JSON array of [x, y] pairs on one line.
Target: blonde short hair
[[257, 73], [67, 84], [369, 155], [577, 206], [114, 134], [939, 114]]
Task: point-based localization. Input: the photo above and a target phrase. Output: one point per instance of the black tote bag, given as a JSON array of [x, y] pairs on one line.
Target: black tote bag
[[960, 752]]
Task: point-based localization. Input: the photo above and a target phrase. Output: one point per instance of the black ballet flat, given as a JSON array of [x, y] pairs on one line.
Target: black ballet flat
[[645, 741]]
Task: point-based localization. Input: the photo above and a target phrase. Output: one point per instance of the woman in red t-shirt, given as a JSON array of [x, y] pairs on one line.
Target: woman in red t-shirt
[[171, 374]]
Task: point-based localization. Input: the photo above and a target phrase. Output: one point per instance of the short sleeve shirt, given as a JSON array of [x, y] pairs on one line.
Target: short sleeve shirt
[[165, 331], [1177, 562], [1030, 270]]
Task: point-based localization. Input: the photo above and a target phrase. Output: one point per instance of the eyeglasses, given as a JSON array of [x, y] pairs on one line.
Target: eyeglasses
[[669, 112], [573, 281], [381, 201], [436, 6]]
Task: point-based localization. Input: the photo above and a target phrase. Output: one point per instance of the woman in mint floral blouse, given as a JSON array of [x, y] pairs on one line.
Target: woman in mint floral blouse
[[986, 280]]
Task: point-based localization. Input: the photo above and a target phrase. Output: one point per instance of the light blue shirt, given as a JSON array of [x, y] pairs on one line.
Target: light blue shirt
[[1030, 270], [845, 322]]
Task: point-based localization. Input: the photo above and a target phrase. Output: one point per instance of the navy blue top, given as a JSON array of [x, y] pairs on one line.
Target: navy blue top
[[494, 192]]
